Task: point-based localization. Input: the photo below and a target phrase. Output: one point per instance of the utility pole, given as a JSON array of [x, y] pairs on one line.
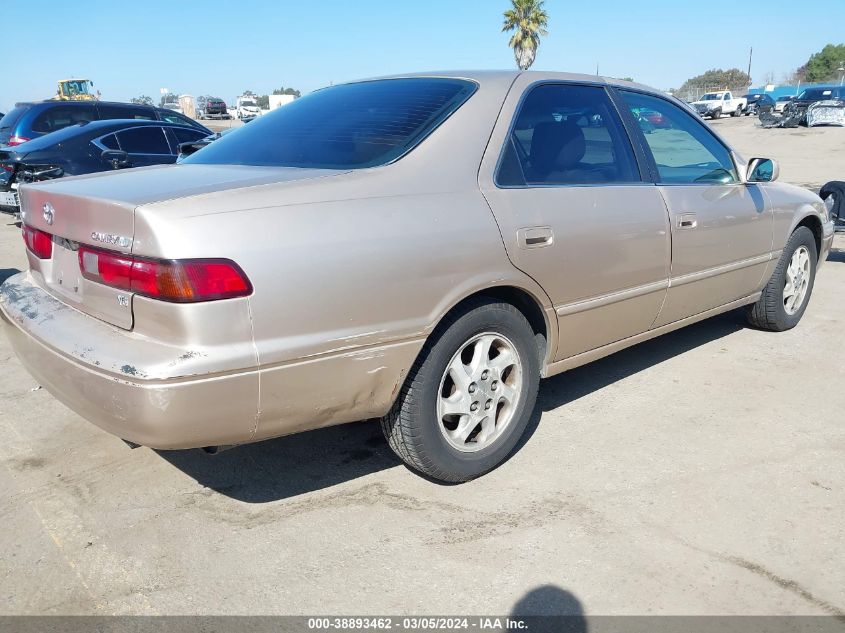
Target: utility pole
[[750, 54]]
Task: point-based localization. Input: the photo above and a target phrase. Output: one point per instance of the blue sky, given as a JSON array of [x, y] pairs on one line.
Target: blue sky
[[131, 48]]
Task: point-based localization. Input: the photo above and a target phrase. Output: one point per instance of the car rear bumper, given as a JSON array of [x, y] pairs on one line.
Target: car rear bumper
[[64, 350]]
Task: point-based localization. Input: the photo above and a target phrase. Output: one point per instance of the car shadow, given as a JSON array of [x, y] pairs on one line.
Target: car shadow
[[5, 273], [285, 467], [306, 462], [569, 386]]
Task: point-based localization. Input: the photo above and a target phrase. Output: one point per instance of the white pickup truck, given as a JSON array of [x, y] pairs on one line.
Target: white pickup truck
[[715, 104]]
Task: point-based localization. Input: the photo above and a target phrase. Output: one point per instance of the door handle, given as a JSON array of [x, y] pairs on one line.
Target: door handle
[[535, 236], [687, 221]]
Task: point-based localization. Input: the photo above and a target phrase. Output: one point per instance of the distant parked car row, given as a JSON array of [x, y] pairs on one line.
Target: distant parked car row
[[48, 140], [817, 105], [784, 111]]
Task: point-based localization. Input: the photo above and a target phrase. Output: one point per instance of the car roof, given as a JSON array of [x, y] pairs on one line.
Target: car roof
[[72, 104], [509, 76]]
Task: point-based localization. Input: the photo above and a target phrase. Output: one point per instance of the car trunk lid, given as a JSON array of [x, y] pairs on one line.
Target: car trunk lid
[[72, 220], [99, 211]]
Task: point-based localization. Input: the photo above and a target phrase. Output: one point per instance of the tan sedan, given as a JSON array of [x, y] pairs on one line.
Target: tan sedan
[[421, 249]]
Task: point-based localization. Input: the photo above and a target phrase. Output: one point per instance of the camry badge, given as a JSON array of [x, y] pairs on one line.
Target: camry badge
[[49, 212], [108, 238]]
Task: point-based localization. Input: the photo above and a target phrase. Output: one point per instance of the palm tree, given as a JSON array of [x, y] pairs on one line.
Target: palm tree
[[529, 19]]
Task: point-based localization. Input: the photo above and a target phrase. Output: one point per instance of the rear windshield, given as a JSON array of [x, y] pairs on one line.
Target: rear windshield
[[11, 117], [48, 140], [351, 126]]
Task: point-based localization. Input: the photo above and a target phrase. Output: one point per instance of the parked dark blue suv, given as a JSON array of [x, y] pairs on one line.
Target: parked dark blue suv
[[27, 121]]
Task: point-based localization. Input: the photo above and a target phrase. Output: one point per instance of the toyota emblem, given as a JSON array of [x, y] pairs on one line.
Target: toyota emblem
[[49, 212]]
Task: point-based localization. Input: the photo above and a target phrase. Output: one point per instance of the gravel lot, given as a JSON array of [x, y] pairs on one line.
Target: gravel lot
[[698, 473]]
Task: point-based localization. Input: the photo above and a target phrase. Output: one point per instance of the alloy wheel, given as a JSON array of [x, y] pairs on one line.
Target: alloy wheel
[[479, 392], [797, 280]]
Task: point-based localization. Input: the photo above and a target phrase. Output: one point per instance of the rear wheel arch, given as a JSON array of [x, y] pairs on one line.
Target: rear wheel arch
[[417, 427], [526, 302]]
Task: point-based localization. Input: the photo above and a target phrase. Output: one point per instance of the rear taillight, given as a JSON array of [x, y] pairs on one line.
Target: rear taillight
[[16, 140], [38, 242], [179, 281]]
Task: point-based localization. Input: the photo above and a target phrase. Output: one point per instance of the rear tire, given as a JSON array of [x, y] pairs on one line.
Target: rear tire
[[737, 112], [470, 394], [787, 294]]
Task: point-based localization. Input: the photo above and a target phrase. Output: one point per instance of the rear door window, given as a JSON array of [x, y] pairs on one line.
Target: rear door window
[[566, 134], [60, 117], [144, 140]]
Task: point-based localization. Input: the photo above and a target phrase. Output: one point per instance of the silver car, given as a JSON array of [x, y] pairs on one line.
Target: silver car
[[420, 249]]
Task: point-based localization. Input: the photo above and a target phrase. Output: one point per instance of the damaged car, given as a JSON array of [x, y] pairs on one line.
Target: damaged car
[[421, 249], [757, 103], [830, 112]]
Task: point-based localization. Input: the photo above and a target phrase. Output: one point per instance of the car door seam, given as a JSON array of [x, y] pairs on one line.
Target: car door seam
[[257, 417], [671, 235]]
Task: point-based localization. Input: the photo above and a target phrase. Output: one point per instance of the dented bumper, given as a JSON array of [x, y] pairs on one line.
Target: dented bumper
[[161, 388], [157, 394]]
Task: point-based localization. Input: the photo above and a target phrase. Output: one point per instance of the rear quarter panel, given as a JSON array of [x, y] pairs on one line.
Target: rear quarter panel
[[347, 291]]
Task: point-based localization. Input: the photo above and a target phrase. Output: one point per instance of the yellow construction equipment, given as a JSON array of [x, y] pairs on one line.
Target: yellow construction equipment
[[76, 90]]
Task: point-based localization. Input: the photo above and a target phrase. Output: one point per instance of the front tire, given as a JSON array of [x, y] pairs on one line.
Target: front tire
[[717, 114], [787, 294], [470, 394]]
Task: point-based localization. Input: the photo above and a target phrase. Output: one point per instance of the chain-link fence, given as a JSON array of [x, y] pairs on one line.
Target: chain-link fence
[[693, 92]]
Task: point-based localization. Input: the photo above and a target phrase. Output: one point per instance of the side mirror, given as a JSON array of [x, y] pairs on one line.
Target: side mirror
[[191, 147], [763, 170], [117, 158]]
